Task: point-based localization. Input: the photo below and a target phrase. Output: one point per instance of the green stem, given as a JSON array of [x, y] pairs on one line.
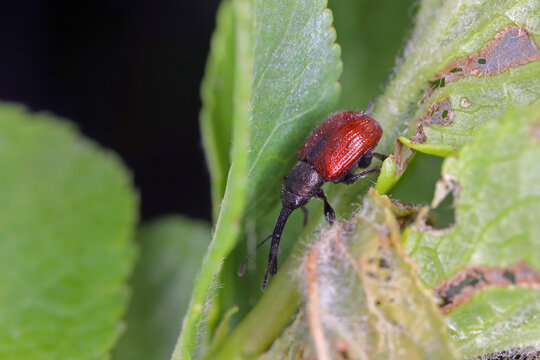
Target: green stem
[[267, 320]]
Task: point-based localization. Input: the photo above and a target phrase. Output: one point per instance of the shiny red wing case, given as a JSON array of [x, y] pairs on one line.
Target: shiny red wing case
[[336, 144]]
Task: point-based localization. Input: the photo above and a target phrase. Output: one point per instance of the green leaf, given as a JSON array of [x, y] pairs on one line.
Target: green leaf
[[290, 342], [68, 212], [363, 298], [171, 250], [496, 319], [295, 71], [228, 222], [372, 35], [497, 200], [474, 101], [217, 97], [438, 40], [286, 67], [444, 32]]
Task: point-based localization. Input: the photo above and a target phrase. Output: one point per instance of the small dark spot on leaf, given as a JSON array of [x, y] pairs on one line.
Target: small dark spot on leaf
[[383, 263], [510, 276], [461, 287], [480, 274], [440, 113], [511, 47], [378, 302]]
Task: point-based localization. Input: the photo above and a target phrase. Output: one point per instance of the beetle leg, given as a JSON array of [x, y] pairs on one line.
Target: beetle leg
[[306, 215], [329, 212], [381, 157], [351, 178]]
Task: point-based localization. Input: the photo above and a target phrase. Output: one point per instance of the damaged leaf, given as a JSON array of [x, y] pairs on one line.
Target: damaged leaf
[[498, 179], [511, 47], [497, 201], [460, 288], [362, 296], [471, 102], [505, 72]]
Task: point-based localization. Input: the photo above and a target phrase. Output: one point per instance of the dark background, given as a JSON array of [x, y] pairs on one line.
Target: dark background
[[128, 73]]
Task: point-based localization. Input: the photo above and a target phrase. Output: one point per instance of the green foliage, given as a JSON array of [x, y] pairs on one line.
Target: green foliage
[[171, 250], [445, 32], [497, 200], [383, 309], [372, 35], [286, 67], [67, 215], [284, 93], [497, 178], [462, 89], [496, 319], [216, 93]]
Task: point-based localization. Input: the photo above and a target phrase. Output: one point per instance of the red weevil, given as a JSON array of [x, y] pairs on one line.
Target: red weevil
[[332, 152]]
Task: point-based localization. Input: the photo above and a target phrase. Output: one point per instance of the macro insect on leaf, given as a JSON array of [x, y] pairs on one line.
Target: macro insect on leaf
[[340, 145]]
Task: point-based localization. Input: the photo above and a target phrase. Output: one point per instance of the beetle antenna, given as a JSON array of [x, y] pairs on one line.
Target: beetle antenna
[[276, 237], [242, 267]]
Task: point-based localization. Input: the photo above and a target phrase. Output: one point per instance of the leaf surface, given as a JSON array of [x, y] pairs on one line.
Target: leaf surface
[[171, 250], [68, 213], [497, 199], [363, 298], [495, 320], [286, 67]]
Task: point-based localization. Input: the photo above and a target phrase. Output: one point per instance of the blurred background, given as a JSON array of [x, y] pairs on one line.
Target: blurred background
[[128, 74]]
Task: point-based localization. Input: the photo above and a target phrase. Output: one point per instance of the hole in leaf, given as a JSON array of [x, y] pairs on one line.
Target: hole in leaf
[[444, 114], [439, 83], [456, 69], [443, 215], [482, 61]]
